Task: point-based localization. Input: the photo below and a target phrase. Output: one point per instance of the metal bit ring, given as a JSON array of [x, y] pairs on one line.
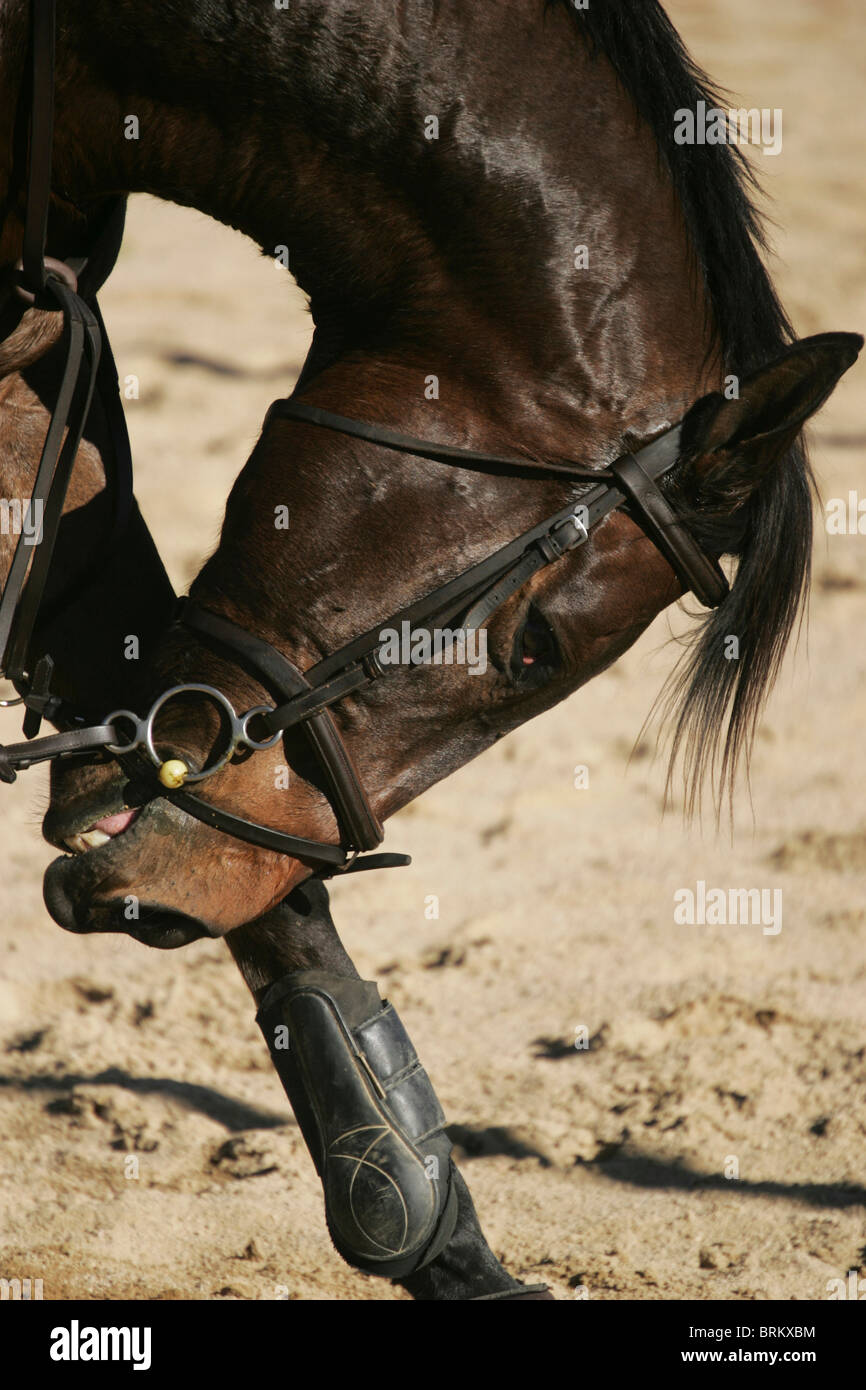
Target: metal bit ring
[[137, 738], [235, 726], [239, 736], [258, 745]]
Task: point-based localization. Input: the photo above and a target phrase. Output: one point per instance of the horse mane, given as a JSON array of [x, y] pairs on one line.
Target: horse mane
[[714, 703]]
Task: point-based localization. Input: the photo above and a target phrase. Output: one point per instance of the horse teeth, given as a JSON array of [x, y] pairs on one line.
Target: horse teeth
[[90, 839]]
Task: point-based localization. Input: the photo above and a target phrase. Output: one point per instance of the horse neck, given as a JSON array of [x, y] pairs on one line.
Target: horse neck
[[307, 129]]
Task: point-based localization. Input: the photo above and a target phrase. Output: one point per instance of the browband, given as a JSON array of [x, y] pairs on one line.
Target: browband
[[633, 474]]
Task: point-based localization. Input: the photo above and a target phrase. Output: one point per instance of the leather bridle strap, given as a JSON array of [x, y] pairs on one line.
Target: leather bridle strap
[[634, 475], [355, 815], [424, 448], [20, 605], [695, 570], [334, 857], [51, 285], [43, 27], [478, 591], [357, 820], [347, 669], [263, 835], [92, 271], [15, 756]]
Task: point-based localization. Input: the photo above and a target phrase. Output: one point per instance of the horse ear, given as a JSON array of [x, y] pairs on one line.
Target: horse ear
[[773, 403]]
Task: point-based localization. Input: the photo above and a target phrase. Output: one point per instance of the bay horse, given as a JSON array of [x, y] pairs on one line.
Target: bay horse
[[558, 280], [83, 623]]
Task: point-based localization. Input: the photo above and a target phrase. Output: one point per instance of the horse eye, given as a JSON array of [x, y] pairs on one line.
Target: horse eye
[[536, 651]]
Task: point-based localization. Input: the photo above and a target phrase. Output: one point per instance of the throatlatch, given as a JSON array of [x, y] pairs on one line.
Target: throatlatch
[[369, 1116]]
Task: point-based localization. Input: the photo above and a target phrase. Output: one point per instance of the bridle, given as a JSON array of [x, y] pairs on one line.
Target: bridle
[[300, 698], [88, 369]]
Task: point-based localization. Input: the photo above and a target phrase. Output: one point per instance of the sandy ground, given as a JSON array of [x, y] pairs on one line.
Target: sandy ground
[[147, 1150]]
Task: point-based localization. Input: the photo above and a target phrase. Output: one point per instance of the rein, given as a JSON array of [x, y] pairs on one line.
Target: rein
[[300, 698]]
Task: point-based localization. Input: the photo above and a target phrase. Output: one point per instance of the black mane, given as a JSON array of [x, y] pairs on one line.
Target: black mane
[[716, 702]]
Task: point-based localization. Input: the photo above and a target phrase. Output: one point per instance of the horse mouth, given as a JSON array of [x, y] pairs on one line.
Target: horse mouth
[[86, 889], [100, 832], [132, 870], [82, 824]]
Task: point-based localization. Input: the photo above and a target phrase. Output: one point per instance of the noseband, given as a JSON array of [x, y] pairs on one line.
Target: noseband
[[300, 699]]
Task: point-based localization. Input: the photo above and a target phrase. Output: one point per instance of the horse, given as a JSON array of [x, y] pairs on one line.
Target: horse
[[83, 623], [562, 292]]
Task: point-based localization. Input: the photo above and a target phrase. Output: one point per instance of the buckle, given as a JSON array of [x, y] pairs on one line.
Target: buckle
[[569, 534], [371, 666]]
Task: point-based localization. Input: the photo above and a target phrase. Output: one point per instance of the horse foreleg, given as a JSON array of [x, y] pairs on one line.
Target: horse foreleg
[[362, 1100]]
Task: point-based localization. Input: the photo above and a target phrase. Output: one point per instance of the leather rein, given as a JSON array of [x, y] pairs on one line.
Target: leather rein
[[300, 698]]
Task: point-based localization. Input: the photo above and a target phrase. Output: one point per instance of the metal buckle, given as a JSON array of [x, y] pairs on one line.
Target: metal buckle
[[580, 526], [372, 666], [555, 544]]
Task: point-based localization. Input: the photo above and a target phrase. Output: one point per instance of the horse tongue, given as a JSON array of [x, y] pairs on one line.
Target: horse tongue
[[113, 825]]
